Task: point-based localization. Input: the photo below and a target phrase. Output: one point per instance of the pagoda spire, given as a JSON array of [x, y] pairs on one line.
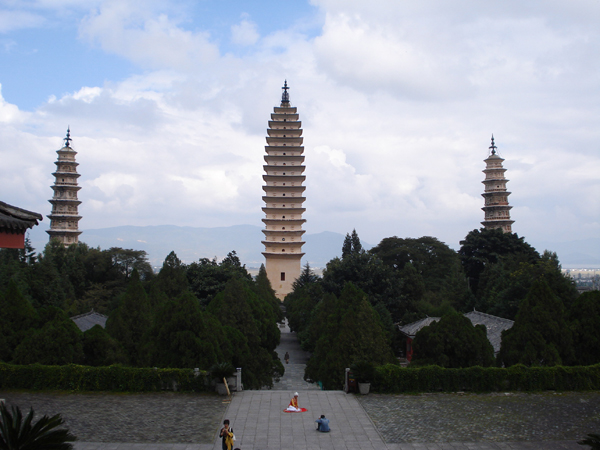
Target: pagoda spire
[[493, 147], [285, 95], [68, 138], [496, 209], [283, 197], [64, 219]]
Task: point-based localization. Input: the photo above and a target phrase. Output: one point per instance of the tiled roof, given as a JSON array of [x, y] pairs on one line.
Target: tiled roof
[[88, 320], [494, 325], [412, 329], [17, 220]]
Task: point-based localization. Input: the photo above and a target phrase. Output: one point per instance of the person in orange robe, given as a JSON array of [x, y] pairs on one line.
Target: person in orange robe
[[293, 406]]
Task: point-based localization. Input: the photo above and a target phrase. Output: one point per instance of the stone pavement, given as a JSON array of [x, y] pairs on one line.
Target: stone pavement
[[293, 378], [170, 421]]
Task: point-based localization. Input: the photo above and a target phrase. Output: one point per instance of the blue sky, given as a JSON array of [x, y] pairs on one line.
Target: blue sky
[[168, 104], [47, 57]]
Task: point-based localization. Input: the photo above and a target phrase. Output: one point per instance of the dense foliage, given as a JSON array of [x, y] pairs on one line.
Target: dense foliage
[[408, 279], [115, 378], [348, 329], [209, 312], [394, 379], [183, 317], [453, 342]]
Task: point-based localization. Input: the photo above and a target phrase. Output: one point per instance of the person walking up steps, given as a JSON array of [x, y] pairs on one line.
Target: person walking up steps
[[287, 358]]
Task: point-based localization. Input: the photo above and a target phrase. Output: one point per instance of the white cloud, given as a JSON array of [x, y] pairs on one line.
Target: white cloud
[[244, 33], [130, 30], [398, 102], [15, 20]]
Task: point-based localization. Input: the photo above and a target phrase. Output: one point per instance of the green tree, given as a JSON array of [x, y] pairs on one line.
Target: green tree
[[130, 322], [307, 276], [172, 278], [584, 317], [367, 272], [299, 306], [100, 349], [439, 277], [16, 319], [262, 288], [347, 246], [453, 342], [126, 260], [236, 308], [352, 331], [181, 338], [504, 285], [207, 277], [58, 342], [540, 335], [356, 245], [486, 246]]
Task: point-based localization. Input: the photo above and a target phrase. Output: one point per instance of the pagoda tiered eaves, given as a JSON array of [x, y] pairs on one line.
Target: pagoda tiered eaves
[[496, 207], [283, 197], [64, 218]]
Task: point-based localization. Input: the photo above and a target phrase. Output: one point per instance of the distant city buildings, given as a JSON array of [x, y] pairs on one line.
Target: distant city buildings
[[496, 209], [64, 219], [283, 197]]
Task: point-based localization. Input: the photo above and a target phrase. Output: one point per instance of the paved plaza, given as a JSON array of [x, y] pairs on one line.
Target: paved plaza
[[172, 421]]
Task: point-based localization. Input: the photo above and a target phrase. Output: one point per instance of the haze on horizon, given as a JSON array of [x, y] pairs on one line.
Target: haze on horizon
[[168, 104]]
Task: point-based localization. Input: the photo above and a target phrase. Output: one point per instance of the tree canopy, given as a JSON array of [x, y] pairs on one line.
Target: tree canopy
[[453, 342]]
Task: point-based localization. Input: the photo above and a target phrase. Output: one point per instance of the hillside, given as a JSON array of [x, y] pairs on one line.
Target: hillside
[[193, 243]]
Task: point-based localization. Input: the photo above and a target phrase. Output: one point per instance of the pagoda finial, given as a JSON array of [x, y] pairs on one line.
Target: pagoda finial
[[285, 96], [68, 138], [493, 146]]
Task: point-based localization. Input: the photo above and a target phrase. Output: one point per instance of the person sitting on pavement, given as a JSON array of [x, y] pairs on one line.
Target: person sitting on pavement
[[323, 424], [293, 406]]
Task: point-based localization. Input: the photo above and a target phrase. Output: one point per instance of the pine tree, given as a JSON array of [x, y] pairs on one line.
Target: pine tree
[[349, 330], [540, 335], [130, 322], [347, 246], [16, 318]]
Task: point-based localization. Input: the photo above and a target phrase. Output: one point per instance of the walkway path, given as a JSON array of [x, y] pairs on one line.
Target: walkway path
[[168, 421], [293, 378]]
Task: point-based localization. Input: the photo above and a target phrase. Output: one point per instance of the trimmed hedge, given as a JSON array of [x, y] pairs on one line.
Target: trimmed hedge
[[113, 378], [395, 379]]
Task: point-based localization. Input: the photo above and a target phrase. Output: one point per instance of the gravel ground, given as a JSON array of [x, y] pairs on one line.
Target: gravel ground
[[484, 417], [101, 417]]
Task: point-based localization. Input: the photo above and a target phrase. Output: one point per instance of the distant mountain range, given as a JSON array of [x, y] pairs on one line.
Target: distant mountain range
[[193, 243]]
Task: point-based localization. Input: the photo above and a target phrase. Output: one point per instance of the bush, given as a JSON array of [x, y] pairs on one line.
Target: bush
[[395, 379], [113, 378], [19, 434]]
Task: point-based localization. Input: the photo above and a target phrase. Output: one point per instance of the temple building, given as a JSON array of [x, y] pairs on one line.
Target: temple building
[[64, 219], [14, 223], [496, 209], [283, 197]]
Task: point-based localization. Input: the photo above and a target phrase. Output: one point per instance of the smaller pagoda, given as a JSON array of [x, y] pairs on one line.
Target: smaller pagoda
[[496, 209], [64, 219]]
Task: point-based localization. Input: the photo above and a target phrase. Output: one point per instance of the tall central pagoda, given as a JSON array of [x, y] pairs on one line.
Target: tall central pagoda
[[496, 209], [283, 197]]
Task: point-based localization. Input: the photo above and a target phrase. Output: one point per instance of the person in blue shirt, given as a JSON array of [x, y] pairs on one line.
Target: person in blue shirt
[[323, 424]]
